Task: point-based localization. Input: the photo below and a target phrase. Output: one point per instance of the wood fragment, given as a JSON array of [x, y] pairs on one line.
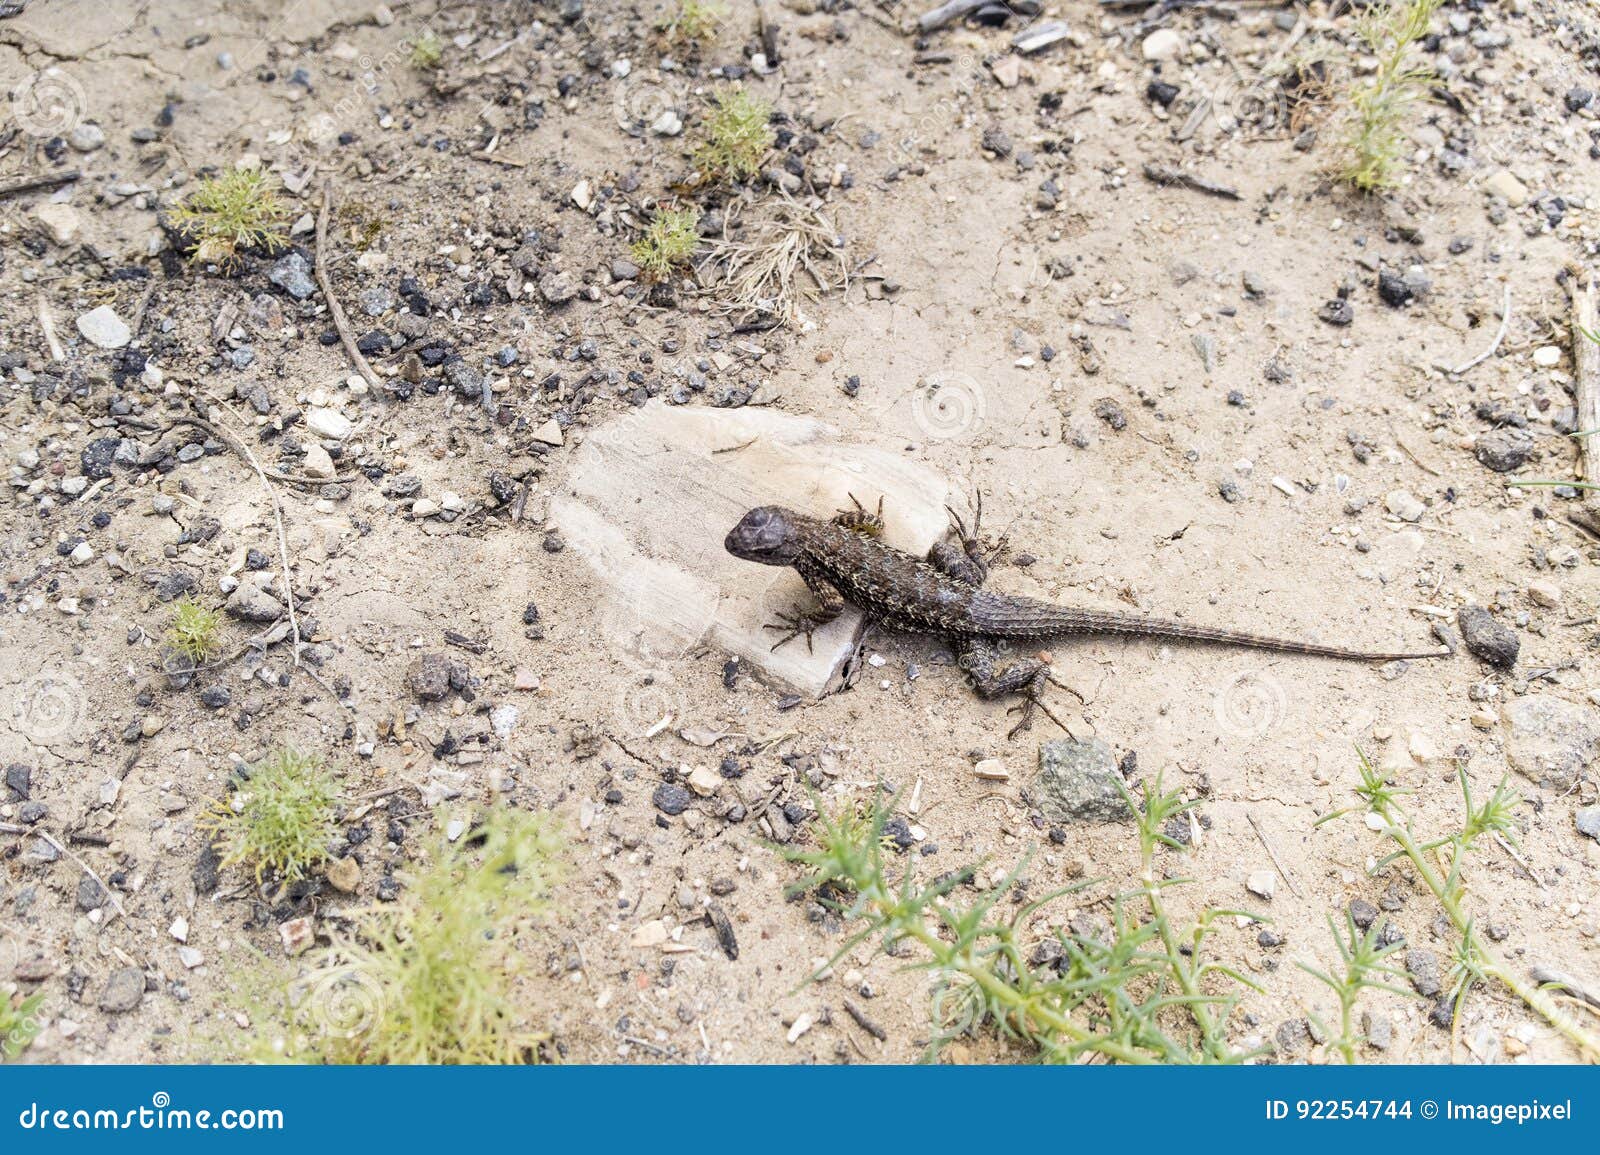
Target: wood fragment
[[1505, 320], [36, 183], [1586, 378], [865, 1023], [1165, 175], [336, 310], [1273, 854]]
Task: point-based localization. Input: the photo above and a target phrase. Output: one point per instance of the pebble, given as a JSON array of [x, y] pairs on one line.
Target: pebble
[[1404, 505], [1507, 187], [292, 274], [123, 991], [1547, 356], [1262, 884], [1504, 450], [1487, 638], [992, 770], [1078, 781], [670, 798], [317, 463], [61, 221], [102, 327], [296, 935], [1550, 740], [1162, 44], [190, 957], [1423, 967], [1546, 594], [328, 423]]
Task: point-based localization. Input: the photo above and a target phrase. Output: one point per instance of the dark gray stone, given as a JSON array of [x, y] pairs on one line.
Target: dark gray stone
[[124, 991], [670, 798], [1078, 781], [1503, 450], [1423, 967], [1487, 638]]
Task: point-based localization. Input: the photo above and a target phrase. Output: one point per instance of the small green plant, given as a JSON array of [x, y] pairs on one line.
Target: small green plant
[[1364, 968], [695, 20], [195, 632], [1145, 992], [284, 820], [668, 243], [427, 52], [429, 978], [18, 1027], [1474, 960], [1374, 142], [238, 210], [738, 135]]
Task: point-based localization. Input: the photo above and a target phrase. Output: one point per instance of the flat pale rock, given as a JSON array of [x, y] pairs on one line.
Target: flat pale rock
[[653, 494], [104, 328]]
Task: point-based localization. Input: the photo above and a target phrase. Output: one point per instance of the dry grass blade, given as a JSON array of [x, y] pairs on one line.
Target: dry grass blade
[[784, 261]]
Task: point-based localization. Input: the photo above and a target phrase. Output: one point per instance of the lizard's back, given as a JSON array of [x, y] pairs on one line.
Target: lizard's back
[[887, 584]]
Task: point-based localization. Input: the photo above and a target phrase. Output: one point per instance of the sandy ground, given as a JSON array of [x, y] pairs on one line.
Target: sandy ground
[[1313, 429]]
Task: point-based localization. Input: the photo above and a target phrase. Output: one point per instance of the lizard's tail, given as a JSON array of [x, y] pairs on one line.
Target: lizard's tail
[[1020, 617]]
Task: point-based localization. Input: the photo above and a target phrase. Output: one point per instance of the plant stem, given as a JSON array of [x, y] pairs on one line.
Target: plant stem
[[1489, 962]]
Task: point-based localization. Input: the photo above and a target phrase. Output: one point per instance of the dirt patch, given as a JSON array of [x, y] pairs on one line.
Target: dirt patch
[[1238, 409]]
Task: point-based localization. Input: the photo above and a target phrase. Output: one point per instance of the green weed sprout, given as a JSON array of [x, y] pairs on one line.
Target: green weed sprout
[[695, 20], [1364, 968], [239, 209], [195, 632], [1474, 960], [286, 821], [427, 52], [429, 978], [668, 243], [1374, 143], [1144, 996], [18, 1027], [738, 135]]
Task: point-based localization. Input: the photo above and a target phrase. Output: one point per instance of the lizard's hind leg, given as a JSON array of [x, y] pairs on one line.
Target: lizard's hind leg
[[968, 561], [1025, 676], [859, 520]]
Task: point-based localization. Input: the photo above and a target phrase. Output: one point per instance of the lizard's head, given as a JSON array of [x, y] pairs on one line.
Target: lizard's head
[[766, 534]]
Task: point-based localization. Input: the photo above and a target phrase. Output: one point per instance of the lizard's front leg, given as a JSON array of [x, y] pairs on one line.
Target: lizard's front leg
[[830, 604], [1025, 676], [859, 520]]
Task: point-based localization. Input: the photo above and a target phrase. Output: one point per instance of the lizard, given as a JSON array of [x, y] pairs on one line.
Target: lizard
[[844, 560]]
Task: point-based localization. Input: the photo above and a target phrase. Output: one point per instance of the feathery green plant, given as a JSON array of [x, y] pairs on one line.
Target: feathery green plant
[[1147, 994], [239, 209], [18, 1027], [668, 242], [1474, 960], [1364, 968], [738, 135], [695, 20], [1374, 142], [286, 819], [429, 978], [427, 52], [194, 632]]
